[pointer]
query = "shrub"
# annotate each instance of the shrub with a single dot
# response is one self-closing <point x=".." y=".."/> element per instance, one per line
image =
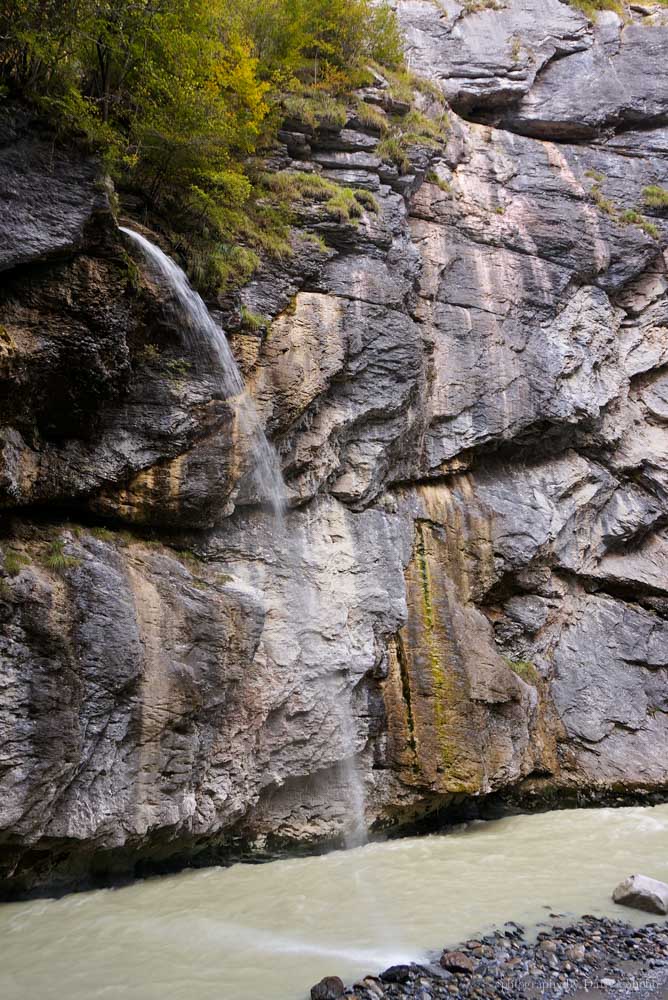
<point x="371" y="117"/>
<point x="316" y="109"/>
<point x="433" y="178"/>
<point x="634" y="218"/>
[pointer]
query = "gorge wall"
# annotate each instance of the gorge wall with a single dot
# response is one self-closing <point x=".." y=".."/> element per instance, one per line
<point x="468" y="390"/>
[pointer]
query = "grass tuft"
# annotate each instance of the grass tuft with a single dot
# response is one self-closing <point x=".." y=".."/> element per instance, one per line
<point x="55" y="558"/>
<point x="15" y="561"/>
<point x="655" y="196"/>
<point x="524" y="669"/>
<point x="104" y="534"/>
<point x="253" y="322"/>
<point x="592" y="8"/>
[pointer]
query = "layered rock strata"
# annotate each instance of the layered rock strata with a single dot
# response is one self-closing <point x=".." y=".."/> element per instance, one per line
<point x="467" y="388"/>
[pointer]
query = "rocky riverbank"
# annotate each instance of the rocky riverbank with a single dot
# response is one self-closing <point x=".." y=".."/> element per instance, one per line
<point x="594" y="957"/>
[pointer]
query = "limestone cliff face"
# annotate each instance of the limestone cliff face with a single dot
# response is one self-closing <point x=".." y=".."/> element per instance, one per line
<point x="469" y="394"/>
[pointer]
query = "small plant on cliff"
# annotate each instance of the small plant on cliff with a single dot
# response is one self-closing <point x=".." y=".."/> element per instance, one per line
<point x="178" y="368"/>
<point x="433" y="178"/>
<point x="253" y="322"/>
<point x="475" y="6"/>
<point x="414" y="129"/>
<point x="55" y="558"/>
<point x="655" y="196"/>
<point x="103" y="534"/>
<point x="315" y="109"/>
<point x="633" y="218"/>
<point x="524" y="669"/>
<point x="592" y="8"/>
<point x="14" y="562"/>
<point x="601" y="202"/>
<point x="371" y="117"/>
<point x="341" y="203"/>
<point x="148" y="354"/>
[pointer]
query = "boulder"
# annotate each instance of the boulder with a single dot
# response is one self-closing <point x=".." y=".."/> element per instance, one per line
<point x="329" y="988"/>
<point x="457" y="961"/>
<point x="396" y="974"/>
<point x="642" y="893"/>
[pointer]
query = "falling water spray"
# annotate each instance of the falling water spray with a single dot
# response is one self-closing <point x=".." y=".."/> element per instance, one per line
<point x="206" y="341"/>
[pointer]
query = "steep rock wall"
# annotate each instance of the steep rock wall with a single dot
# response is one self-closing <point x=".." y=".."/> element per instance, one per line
<point x="468" y="392"/>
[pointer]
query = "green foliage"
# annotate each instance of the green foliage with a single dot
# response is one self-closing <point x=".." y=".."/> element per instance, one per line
<point x="104" y="534"/>
<point x="415" y="128"/>
<point x="433" y="178"/>
<point x="341" y="203"/>
<point x="252" y="322"/>
<point x="601" y="202"/>
<point x="371" y="117"/>
<point x="55" y="558"/>
<point x="592" y="8"/>
<point x="628" y="217"/>
<point x="473" y="6"/>
<point x="634" y="218"/>
<point x="148" y="354"/>
<point x="367" y="200"/>
<point x="524" y="669"/>
<point x="655" y="196"/>
<point x="316" y="109"/>
<point x="393" y="150"/>
<point x="15" y="561"/>
<point x="178" y="368"/>
<point x="178" y="95"/>
<point x="319" y="41"/>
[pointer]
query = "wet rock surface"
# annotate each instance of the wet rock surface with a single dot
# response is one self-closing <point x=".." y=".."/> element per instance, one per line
<point x="595" y="957"/>
<point x="466" y="386"/>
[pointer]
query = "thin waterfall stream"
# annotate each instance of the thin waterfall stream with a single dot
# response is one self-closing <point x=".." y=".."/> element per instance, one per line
<point x="208" y="343"/>
<point x="205" y="339"/>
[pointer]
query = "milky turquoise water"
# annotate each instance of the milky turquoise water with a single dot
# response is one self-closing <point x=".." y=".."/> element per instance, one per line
<point x="268" y="932"/>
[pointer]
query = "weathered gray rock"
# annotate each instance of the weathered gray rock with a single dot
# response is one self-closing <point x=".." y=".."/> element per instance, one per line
<point x="602" y="87"/>
<point x="467" y="390"/>
<point x="48" y="196"/>
<point x="642" y="893"/>
<point x="488" y="55"/>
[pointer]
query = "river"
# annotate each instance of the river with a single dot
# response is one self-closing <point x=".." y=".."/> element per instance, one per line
<point x="268" y="932"/>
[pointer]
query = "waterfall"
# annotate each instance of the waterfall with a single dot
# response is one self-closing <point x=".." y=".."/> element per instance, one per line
<point x="208" y="343"/>
<point x="356" y="832"/>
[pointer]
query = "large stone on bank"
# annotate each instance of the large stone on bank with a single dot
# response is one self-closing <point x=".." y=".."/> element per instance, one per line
<point x="642" y="893"/>
<point x="329" y="988"/>
<point x="457" y="961"/>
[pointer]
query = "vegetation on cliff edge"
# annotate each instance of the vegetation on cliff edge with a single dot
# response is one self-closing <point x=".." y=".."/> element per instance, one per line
<point x="179" y="96"/>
